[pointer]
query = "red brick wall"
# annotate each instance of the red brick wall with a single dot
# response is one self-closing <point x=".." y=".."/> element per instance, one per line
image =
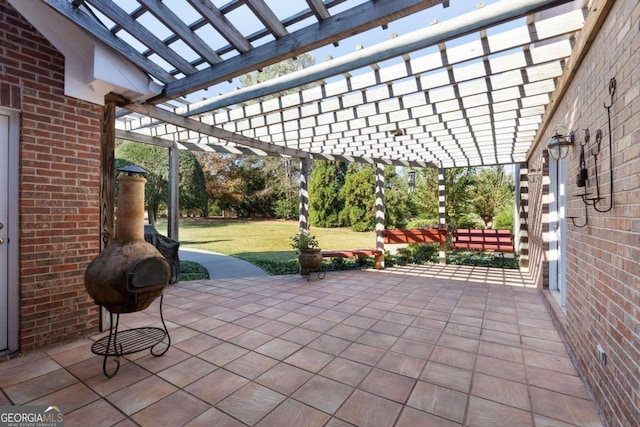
<point x="603" y="259"/>
<point x="59" y="186"/>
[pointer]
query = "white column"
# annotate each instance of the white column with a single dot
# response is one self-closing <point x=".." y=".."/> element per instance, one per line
<point x="380" y="185"/>
<point x="174" y="204"/>
<point x="303" y="221"/>
<point x="442" y="211"/>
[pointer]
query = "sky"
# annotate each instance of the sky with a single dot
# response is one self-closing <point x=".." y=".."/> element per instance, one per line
<point x="242" y="19"/>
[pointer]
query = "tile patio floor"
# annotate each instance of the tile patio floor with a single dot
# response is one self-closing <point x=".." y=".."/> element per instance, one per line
<point x="425" y="346"/>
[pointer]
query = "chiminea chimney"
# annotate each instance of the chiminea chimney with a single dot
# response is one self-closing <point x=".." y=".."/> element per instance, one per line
<point x="130" y="273"/>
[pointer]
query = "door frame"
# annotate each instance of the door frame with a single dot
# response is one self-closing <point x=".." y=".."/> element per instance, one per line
<point x="558" y="229"/>
<point x="12" y="227"/>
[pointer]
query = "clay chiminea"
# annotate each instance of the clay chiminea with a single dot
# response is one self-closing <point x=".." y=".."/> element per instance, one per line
<point x="130" y="273"/>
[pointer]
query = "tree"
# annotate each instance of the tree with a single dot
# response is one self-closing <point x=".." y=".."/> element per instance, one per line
<point x="360" y="197"/>
<point x="493" y="192"/>
<point x="155" y="160"/>
<point x="326" y="201"/>
<point x="282" y="68"/>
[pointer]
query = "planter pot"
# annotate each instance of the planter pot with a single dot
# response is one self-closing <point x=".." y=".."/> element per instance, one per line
<point x="310" y="260"/>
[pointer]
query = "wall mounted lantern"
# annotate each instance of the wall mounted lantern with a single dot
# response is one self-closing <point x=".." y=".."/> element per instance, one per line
<point x="560" y="142"/>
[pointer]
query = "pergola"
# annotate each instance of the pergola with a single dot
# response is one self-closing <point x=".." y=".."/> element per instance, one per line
<point x="470" y="91"/>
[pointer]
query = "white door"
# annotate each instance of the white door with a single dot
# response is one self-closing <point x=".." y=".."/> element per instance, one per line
<point x="557" y="229"/>
<point x="8" y="231"/>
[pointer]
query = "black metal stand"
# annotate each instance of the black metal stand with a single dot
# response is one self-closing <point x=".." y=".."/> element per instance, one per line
<point x="321" y="273"/>
<point x="120" y="343"/>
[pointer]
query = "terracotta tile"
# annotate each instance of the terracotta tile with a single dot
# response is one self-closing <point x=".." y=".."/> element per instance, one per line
<point x="324" y="303"/>
<point x="251" y="339"/>
<point x="39" y="386"/>
<point x="129" y="373"/>
<point x="273" y="328"/>
<point x="251" y="321"/>
<point x="216" y="386"/>
<point x="501" y="317"/>
<point x="413" y="348"/>
<point x="27" y="368"/>
<point x="271" y="313"/>
<point x="359" y="321"/>
<point x="284" y="378"/>
<point x="388" y="385"/>
<point x="402" y="364"/>
<point x="157" y="364"/>
<point x="501" y="351"/>
<point x="294" y="318"/>
<point x="309" y="359"/>
<point x="278" y="348"/>
<point x="500" y="390"/>
<point x="289" y="305"/>
<point x="485" y="413"/>
<point x="413" y="418"/>
<point x="501" y="368"/>
<point x="509" y="328"/>
<point x="405" y="309"/>
<point x="223" y="353"/>
<point x="300" y="335"/>
<point x="206" y="324"/>
<point x="544" y="334"/>
<point x="69" y="354"/>
<point x="460" y="343"/>
<point x="335" y="422"/>
<point x="550" y="362"/>
<point x="440" y="401"/>
<point x="363" y="353"/>
<point x="318" y="325"/>
<point x="365" y="409"/>
<point x="251" y="365"/>
<point x="403" y="319"/>
<point x="461" y="320"/>
<point x="146" y="392"/>
<point x="346" y="332"/>
<point x="101" y="413"/>
<point x="562" y="383"/>
<point x="452" y="357"/>
<point x="389" y="328"/>
<point x="323" y="394"/>
<point x="542" y="421"/>
<point x="175" y="409"/>
<point x="347" y="308"/>
<point x="544" y="346"/>
<point x="250" y="308"/>
<point x="87" y="368"/>
<point x="186" y="372"/>
<point x="423" y="335"/>
<point x="435" y="315"/>
<point x="291" y="413"/>
<point x="447" y="376"/>
<point x="230" y="315"/>
<point x="251" y="403"/>
<point x="333" y="315"/>
<point x="69" y="398"/>
<point x="377" y="339"/>
<point x="214" y="417"/>
<point x="329" y="344"/>
<point x="563" y="407"/>
<point x="371" y="312"/>
<point x="346" y="371"/>
<point x="310" y="310"/>
<point x="228" y="331"/>
<point x="429" y="324"/>
<point x="197" y="344"/>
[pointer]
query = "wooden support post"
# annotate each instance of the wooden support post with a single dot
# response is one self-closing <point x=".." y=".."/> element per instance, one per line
<point x="107" y="185"/>
<point x="174" y="193"/>
<point x="442" y="211"/>
<point x="303" y="219"/>
<point x="380" y="184"/>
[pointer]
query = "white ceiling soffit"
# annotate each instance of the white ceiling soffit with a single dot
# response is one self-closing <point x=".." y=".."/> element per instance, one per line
<point x="470" y="103"/>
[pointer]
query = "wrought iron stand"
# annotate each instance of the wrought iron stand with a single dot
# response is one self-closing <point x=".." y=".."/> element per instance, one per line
<point x="120" y="343"/>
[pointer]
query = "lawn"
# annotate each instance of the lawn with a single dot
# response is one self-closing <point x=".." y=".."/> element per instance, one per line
<point x="254" y="240"/>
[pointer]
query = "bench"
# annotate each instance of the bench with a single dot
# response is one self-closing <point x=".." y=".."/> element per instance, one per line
<point x="484" y="240"/>
<point x="359" y="253"/>
<point x="416" y="235"/>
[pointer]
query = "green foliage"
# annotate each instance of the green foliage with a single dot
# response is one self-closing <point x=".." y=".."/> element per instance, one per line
<point x="423" y="223"/>
<point x="360" y="198"/>
<point x="493" y="192"/>
<point x="414" y="254"/>
<point x="397" y="201"/>
<point x="481" y="259"/>
<point x="303" y="241"/>
<point x="287" y="208"/>
<point x="325" y="199"/>
<point x="192" y="271"/>
<point x="504" y="220"/>
<point x="280" y="69"/>
<point x="192" y="186"/>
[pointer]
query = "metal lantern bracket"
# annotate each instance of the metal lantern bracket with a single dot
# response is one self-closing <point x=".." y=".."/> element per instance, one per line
<point x="595" y="152"/>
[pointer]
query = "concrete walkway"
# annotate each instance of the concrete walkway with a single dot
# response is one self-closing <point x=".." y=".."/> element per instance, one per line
<point x="221" y="266"/>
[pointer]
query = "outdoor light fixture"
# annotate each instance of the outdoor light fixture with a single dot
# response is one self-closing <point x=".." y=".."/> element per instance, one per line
<point x="560" y="142"/>
<point x="411" y="181"/>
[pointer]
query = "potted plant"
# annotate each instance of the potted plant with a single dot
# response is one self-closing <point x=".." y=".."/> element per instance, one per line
<point x="309" y="256"/>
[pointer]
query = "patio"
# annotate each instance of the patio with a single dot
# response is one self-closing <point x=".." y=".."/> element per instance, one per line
<point x="412" y="346"/>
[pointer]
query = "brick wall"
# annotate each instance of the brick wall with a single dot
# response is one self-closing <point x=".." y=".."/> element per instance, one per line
<point x="603" y="258"/>
<point x="59" y="186"/>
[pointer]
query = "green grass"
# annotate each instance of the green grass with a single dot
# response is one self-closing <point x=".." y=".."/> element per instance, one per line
<point x="260" y="241"/>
